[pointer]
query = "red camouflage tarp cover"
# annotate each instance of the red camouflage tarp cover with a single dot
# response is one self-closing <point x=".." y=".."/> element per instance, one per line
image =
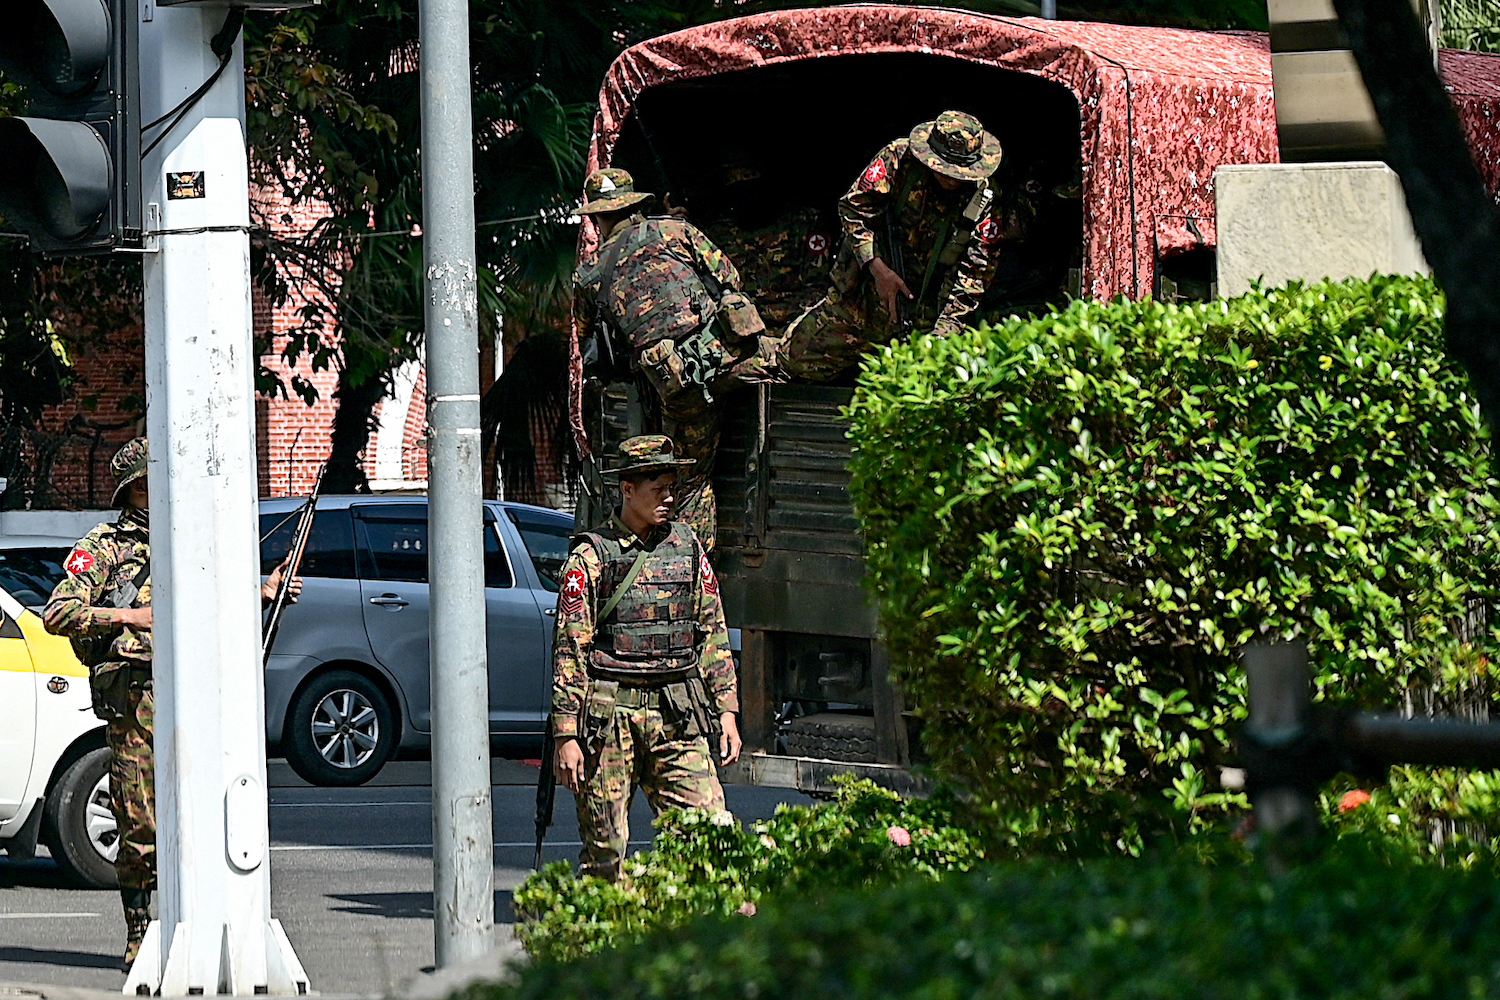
<point x="1162" y="108"/>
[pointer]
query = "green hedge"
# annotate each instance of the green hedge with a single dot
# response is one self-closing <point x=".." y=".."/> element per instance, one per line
<point x="704" y="865"/>
<point x="1349" y="926"/>
<point x="1096" y="508"/>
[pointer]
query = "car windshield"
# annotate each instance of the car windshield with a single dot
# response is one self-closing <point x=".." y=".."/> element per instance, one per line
<point x="546" y="537"/>
<point x="29" y="574"/>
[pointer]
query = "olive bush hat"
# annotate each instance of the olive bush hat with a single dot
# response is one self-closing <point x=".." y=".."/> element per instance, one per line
<point x="646" y="453"/>
<point x="610" y="190"/>
<point x="955" y="144"/>
<point x="128" y="465"/>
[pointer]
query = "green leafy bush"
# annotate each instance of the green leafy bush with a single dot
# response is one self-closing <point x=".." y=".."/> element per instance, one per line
<point x="1097" y="508"/>
<point x="706" y="865"/>
<point x="1348" y="926"/>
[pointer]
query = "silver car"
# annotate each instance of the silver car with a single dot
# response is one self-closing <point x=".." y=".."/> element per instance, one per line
<point x="347" y="683"/>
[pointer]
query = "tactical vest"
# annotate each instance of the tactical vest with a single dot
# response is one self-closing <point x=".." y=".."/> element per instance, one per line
<point x="647" y="294"/>
<point x="653" y="629"/>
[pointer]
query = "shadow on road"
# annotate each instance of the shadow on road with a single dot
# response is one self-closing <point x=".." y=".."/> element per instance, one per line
<point x="409" y="905"/>
<point x="39" y="874"/>
<point x="62" y="959"/>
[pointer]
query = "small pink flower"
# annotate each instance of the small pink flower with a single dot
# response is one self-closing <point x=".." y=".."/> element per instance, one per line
<point x="747" y="909"/>
<point x="1353" y="800"/>
<point x="900" y="836"/>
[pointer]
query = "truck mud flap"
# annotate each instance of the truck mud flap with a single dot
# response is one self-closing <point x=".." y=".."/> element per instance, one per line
<point x="816" y="777"/>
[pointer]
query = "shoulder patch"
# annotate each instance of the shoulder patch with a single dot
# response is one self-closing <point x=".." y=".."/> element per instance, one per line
<point x="78" y="561"/>
<point x="570" y="597"/>
<point x="873" y="175"/>
<point x="988" y="232"/>
<point x="706" y="571"/>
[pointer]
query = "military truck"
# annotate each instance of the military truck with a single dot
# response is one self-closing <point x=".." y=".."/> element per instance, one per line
<point x="1111" y="136"/>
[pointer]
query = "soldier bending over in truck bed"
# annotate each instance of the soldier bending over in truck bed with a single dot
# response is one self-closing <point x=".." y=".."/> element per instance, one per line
<point x="921" y="230"/>
<point x="662" y="290"/>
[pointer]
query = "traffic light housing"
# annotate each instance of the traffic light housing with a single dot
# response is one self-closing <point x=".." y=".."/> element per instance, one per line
<point x="70" y="167"/>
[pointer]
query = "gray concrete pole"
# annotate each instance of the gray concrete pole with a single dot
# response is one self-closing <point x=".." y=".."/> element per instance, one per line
<point x="463" y="874"/>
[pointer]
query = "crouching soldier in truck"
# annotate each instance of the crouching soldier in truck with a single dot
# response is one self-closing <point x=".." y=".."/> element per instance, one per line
<point x="921" y="231"/>
<point x="671" y="300"/>
<point x="644" y="689"/>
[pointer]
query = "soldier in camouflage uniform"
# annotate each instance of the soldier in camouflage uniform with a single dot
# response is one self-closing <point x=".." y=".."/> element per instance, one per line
<point x="921" y="230"/>
<point x="672" y="297"/>
<point x="643" y="681"/>
<point x="104" y="607"/>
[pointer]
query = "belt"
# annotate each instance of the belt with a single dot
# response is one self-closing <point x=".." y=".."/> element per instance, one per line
<point x="642" y="678"/>
<point x="638" y="697"/>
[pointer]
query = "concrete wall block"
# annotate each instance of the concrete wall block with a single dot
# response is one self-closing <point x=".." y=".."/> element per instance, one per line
<point x="1310" y="221"/>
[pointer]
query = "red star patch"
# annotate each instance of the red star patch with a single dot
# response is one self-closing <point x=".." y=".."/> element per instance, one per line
<point x="570" y="600"/>
<point x="78" y="561"/>
<point x="873" y="175"/>
<point x="710" y="582"/>
<point x="988" y="232"/>
<point x="817" y="243"/>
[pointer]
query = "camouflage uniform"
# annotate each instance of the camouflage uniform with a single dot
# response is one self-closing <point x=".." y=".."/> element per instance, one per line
<point x="659" y="282"/>
<point x="643" y="689"/>
<point x="947" y="242"/>
<point x="103" y="568"/>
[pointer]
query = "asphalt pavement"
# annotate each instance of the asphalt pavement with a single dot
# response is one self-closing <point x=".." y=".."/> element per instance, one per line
<point x="351" y="881"/>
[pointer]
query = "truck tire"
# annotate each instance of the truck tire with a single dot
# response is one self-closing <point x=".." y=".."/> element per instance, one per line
<point x="340" y="730"/>
<point x="79" y="826"/>
<point x="832" y="736"/>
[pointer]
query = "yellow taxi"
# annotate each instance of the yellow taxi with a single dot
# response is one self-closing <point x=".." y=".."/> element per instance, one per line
<point x="54" y="765"/>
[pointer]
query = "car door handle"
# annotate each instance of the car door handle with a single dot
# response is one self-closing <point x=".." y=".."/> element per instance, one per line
<point x="550" y="612"/>
<point x="389" y="601"/>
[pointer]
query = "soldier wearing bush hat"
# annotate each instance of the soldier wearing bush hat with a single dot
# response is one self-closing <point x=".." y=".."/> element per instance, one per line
<point x="662" y="300"/>
<point x="103" y="606"/>
<point x="644" y="686"/>
<point x="921" y="235"/>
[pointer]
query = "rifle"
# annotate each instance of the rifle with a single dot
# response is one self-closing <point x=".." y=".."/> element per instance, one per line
<point x="293" y="563"/>
<point x="546" y="794"/>
<point x="895" y="258"/>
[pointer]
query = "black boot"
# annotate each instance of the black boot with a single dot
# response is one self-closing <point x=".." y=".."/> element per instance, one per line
<point x="137" y="919"/>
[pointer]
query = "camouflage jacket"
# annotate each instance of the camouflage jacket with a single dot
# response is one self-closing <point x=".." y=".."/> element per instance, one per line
<point x="104" y="561"/>
<point x="578" y="602"/>
<point x="661" y="283"/>
<point x="928" y="221"/>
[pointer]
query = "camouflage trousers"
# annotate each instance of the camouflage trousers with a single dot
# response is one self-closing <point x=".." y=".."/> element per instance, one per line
<point x="693" y="420"/>
<point x="132" y="789"/>
<point x="829" y="337"/>
<point x="639" y="751"/>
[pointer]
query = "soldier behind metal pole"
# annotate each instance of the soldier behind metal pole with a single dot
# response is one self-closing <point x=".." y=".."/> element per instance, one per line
<point x="103" y="607"/>
<point x="925" y="204"/>
<point x="661" y="295"/>
<point x="644" y="684"/>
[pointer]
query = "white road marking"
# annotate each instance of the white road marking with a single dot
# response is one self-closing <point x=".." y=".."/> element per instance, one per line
<point x="42" y="916"/>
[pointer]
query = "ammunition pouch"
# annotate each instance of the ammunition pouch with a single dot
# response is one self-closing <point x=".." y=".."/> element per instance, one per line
<point x="738" y="319"/>
<point x="110" y="685"/>
<point x="687" y="365"/>
<point x="598" y="715"/>
<point x="684" y="704"/>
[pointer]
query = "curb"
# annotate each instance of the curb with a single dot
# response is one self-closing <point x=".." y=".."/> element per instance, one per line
<point x="498" y="967"/>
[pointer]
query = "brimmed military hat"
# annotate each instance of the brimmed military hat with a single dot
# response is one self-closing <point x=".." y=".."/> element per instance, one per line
<point x="645" y="453"/>
<point x="128" y="465"/>
<point x="610" y="190"/>
<point x="955" y="144"/>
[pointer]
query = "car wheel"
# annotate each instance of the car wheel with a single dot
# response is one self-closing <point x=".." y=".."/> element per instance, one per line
<point x="340" y="730"/>
<point x="81" y="828"/>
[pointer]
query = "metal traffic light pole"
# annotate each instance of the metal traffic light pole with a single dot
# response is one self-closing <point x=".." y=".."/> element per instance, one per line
<point x="463" y="875"/>
<point x="215" y="933"/>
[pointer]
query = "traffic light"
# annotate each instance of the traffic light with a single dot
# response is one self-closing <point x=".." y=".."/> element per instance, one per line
<point x="70" y="167"/>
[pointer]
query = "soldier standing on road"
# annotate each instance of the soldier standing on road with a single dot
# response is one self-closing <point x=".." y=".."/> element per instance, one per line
<point x="643" y="680"/>
<point x="921" y="230"/>
<point x="104" y="608"/>
<point x="672" y="300"/>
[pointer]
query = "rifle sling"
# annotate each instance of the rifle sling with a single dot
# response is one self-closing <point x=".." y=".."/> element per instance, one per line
<point x="614" y="599"/>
